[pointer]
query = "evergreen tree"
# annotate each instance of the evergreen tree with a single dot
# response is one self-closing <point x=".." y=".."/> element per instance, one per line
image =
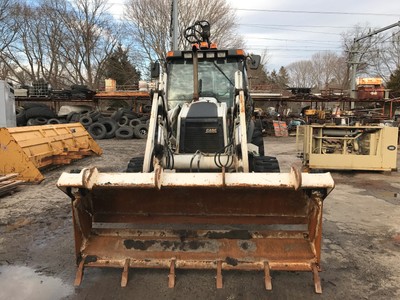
<point x="279" y="79"/>
<point x="119" y="67"/>
<point x="394" y="82"/>
<point x="283" y="78"/>
<point x="273" y="78"/>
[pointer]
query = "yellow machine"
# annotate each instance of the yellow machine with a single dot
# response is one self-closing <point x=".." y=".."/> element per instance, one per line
<point x="204" y="196"/>
<point x="334" y="147"/>
<point x="25" y="150"/>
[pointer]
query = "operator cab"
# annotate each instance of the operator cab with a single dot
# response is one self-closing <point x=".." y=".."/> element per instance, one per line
<point x="216" y="75"/>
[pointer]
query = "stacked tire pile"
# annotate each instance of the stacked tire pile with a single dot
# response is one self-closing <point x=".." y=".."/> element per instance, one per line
<point x="36" y="114"/>
<point x="121" y="124"/>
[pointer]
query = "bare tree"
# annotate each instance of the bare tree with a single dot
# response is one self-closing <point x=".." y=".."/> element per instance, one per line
<point x="364" y="53"/>
<point x="61" y="42"/>
<point x="8" y="24"/>
<point x="149" y="22"/>
<point x="341" y="72"/>
<point x="301" y="74"/>
<point x="377" y="55"/>
<point x="91" y="37"/>
<point x="34" y="54"/>
<point x="8" y="30"/>
<point x="328" y="68"/>
<point x="387" y="55"/>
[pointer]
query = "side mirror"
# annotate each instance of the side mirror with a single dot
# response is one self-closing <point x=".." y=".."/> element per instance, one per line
<point x="155" y="70"/>
<point x="255" y="61"/>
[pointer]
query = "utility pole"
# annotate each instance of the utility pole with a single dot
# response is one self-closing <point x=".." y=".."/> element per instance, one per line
<point x="355" y="58"/>
<point x="354" y="61"/>
<point x="174" y="24"/>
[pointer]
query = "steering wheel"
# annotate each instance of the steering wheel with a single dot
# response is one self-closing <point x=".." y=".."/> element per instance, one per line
<point x="199" y="32"/>
<point x="193" y="34"/>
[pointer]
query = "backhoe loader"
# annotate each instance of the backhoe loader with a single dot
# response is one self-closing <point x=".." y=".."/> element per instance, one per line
<point x="204" y="196"/>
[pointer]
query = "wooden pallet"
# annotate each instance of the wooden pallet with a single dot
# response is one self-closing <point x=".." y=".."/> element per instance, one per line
<point x="8" y="184"/>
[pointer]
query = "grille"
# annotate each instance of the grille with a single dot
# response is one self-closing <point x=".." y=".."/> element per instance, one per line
<point x="202" y="134"/>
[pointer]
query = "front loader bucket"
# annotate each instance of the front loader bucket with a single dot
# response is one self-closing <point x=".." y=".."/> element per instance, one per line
<point x="233" y="221"/>
<point x="25" y="150"/>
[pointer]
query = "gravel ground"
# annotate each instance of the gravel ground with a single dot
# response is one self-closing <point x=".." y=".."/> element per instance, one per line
<point x="360" y="256"/>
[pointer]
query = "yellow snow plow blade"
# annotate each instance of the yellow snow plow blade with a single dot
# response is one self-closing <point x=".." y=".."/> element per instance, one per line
<point x="25" y="150"/>
<point x="220" y="221"/>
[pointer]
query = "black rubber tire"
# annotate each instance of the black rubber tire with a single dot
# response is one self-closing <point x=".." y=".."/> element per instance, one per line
<point x="111" y="127"/>
<point x="146" y="109"/>
<point x="31" y="122"/>
<point x="141" y="131"/>
<point x="143" y="119"/>
<point x="116" y="115"/>
<point x="131" y="115"/>
<point x="86" y="121"/>
<point x="29" y="105"/>
<point x="124" y="133"/>
<point x="19" y="110"/>
<point x="259" y="142"/>
<point x="123" y="121"/>
<point x="84" y="112"/>
<point x="41" y="121"/>
<point x="53" y="121"/>
<point x="257" y="138"/>
<point x="94" y="115"/>
<point x="79" y="87"/>
<point x="75" y="118"/>
<point x="264" y="164"/>
<point x="135" y="165"/>
<point x="134" y="122"/>
<point x="39" y="111"/>
<point x="72" y="117"/>
<point x="21" y="116"/>
<point x="97" y="130"/>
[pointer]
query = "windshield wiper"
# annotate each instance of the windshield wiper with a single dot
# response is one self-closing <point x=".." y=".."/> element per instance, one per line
<point x="222" y="72"/>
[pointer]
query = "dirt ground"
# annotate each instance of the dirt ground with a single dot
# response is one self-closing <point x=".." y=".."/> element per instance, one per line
<point x="360" y="256"/>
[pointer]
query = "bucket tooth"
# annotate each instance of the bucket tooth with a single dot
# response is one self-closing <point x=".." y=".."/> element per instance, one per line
<point x="125" y="273"/>
<point x="267" y="277"/>
<point x="79" y="273"/>
<point x="219" y="274"/>
<point x="317" y="279"/>
<point x="171" y="276"/>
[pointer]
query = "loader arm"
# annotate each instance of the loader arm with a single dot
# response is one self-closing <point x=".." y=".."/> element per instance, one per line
<point x="151" y="140"/>
<point x="242" y="119"/>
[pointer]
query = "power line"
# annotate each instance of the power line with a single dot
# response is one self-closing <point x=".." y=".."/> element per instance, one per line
<point x="290" y="40"/>
<point x="292" y="25"/>
<point x="316" y="12"/>
<point x="292" y="49"/>
<point x="299" y="30"/>
<point x="278" y="47"/>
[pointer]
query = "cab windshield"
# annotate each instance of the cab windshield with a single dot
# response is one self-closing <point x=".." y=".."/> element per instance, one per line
<point x="216" y="79"/>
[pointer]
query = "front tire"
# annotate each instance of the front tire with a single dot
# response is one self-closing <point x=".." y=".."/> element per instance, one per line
<point x="264" y="164"/>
